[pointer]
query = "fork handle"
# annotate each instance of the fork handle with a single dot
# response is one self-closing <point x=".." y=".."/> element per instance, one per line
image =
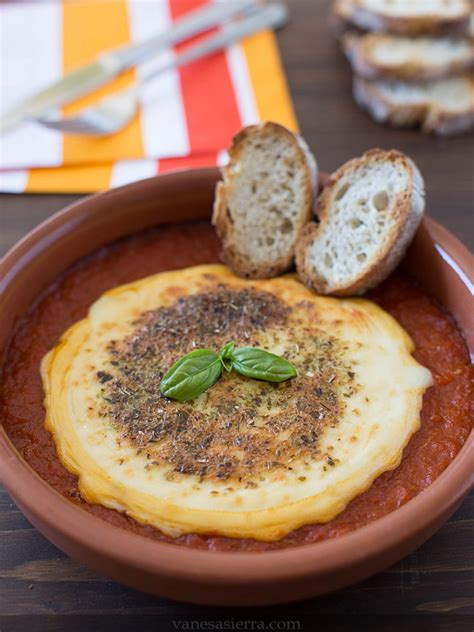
<point x="269" y="16"/>
<point x="184" y="28"/>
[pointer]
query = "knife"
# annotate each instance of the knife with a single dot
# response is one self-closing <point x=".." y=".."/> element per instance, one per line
<point x="110" y="64"/>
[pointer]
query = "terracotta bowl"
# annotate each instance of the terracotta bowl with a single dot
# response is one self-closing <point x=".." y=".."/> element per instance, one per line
<point x="440" y="262"/>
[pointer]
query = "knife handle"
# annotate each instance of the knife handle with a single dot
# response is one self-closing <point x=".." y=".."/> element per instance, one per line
<point x="191" y="24"/>
<point x="271" y="16"/>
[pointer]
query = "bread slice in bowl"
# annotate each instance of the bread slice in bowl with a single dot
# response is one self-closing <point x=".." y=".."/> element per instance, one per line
<point x="368" y="214"/>
<point x="404" y="17"/>
<point x="444" y="106"/>
<point x="265" y="199"/>
<point x="392" y="57"/>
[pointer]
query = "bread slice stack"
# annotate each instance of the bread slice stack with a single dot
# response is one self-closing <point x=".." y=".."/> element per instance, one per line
<point x="413" y="60"/>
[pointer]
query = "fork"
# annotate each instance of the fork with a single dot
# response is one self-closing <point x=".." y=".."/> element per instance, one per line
<point x="111" y="114"/>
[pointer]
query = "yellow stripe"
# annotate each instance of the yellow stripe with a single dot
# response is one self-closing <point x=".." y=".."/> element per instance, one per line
<point x="268" y="80"/>
<point x="74" y="179"/>
<point x="88" y="29"/>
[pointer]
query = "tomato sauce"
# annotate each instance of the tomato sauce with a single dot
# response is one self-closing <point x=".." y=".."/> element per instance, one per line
<point x="447" y="406"/>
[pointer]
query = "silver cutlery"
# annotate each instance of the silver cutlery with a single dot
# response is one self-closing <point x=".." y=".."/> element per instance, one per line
<point x="112" y="63"/>
<point x="112" y="113"/>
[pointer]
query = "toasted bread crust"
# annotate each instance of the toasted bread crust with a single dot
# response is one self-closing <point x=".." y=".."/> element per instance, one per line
<point x="433" y="119"/>
<point x="230" y="254"/>
<point x="350" y="12"/>
<point x="358" y="51"/>
<point x="409" y="207"/>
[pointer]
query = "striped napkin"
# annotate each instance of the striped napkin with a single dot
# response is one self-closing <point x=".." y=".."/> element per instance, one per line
<point x="187" y="116"/>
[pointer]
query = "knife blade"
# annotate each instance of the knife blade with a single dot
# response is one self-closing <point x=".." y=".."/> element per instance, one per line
<point x="110" y="64"/>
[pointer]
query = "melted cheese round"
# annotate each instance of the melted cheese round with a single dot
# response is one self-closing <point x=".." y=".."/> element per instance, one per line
<point x="247" y="458"/>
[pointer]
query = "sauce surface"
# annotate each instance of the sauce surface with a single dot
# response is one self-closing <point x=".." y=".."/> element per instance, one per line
<point x="445" y="417"/>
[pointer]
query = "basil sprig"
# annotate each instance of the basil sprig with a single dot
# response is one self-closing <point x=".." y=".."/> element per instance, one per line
<point x="199" y="370"/>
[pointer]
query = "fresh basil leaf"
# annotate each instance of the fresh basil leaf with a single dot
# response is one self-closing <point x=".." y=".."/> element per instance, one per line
<point x="261" y="365"/>
<point x="225" y="355"/>
<point x="191" y="375"/>
<point x="226" y="351"/>
<point x="226" y="363"/>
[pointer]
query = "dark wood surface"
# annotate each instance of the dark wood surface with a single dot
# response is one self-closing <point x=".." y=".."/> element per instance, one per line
<point x="432" y="589"/>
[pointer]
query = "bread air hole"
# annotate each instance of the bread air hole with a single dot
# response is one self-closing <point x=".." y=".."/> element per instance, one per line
<point x="254" y="187"/>
<point x="380" y="200"/>
<point x="361" y="257"/>
<point x="270" y="241"/>
<point x="355" y="223"/>
<point x="328" y="260"/>
<point x="286" y="227"/>
<point x="340" y="193"/>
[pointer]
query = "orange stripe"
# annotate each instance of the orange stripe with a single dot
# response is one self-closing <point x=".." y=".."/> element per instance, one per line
<point x="75" y="179"/>
<point x="93" y="178"/>
<point x="268" y="79"/>
<point x="208" y="95"/>
<point x="88" y="29"/>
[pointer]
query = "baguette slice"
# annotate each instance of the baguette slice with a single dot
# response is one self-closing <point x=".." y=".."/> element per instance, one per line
<point x="404" y="17"/>
<point x="368" y="215"/>
<point x="265" y="200"/>
<point x="392" y="57"/>
<point x="444" y="107"/>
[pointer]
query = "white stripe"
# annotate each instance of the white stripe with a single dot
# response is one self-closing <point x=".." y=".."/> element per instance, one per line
<point x="13" y="181"/>
<point x="163" y="117"/>
<point x="222" y="158"/>
<point x="30" y="58"/>
<point x="243" y="88"/>
<point x="242" y="84"/>
<point x="126" y="171"/>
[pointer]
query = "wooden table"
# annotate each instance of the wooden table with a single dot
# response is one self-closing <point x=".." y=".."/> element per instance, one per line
<point x="432" y="589"/>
